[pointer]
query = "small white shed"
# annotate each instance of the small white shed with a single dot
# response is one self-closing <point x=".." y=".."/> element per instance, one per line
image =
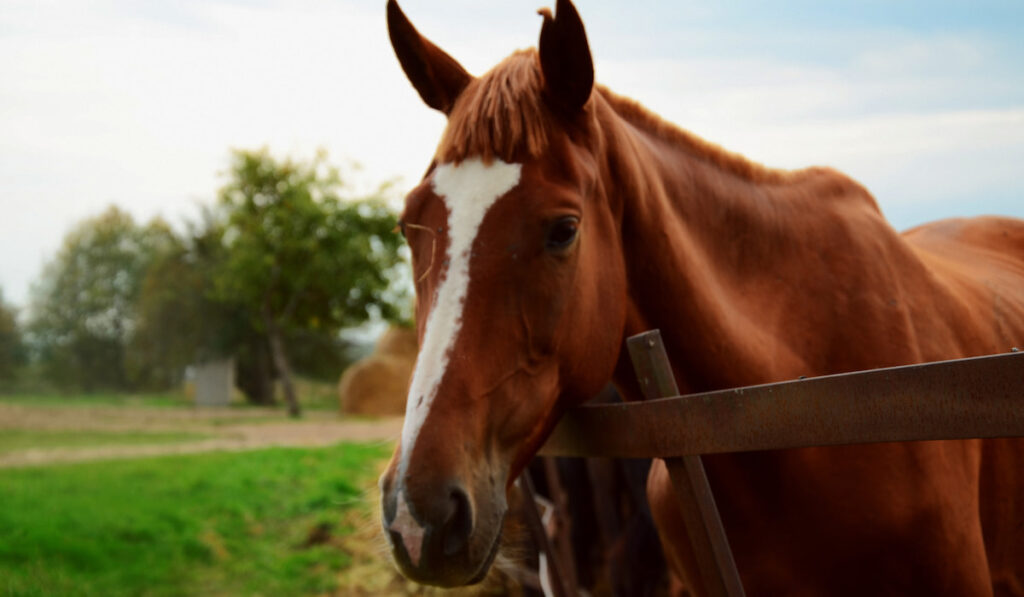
<point x="214" y="381"/>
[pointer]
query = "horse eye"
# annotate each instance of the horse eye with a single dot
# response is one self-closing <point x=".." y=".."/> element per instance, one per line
<point x="562" y="233"/>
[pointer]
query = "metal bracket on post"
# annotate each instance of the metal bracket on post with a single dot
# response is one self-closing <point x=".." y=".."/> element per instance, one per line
<point x="700" y="515"/>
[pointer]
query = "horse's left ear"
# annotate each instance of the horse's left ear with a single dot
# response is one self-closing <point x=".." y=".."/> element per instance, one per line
<point x="437" y="77"/>
<point x="565" y="58"/>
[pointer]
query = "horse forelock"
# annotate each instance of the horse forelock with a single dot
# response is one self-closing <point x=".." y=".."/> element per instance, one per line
<point x="500" y="115"/>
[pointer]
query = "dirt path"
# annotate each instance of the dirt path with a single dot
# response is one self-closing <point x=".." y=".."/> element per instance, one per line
<point x="227" y="430"/>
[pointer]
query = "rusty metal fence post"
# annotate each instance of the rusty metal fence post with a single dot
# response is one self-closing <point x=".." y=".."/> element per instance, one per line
<point x="700" y="515"/>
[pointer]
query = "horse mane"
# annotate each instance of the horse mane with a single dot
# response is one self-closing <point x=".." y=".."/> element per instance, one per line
<point x="502" y="115"/>
<point x="644" y="119"/>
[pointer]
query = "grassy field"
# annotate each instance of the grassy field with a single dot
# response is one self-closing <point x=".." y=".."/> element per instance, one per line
<point x="265" y="522"/>
<point x="147" y="495"/>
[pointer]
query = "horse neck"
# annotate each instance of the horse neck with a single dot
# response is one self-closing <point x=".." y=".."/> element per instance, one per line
<point x="745" y="270"/>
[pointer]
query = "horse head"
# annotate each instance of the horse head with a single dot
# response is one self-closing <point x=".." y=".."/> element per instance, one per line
<point x="520" y="289"/>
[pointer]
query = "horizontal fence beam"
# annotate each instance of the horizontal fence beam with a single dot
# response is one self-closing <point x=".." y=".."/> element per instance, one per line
<point x="980" y="397"/>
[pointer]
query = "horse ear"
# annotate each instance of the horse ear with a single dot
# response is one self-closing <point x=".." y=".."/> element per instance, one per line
<point x="565" y="58"/>
<point x="437" y="77"/>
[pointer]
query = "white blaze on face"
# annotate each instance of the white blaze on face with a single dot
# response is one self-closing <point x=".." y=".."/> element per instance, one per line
<point x="468" y="191"/>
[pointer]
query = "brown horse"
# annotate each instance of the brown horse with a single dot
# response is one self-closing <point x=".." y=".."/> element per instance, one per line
<point x="558" y="218"/>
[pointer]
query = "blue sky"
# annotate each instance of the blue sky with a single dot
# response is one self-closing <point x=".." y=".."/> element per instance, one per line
<point x="138" y="103"/>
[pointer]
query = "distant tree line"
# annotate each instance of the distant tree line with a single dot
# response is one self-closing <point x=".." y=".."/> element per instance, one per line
<point x="268" y="275"/>
<point x="13" y="355"/>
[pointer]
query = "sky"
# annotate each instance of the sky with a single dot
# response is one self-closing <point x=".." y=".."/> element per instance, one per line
<point x="139" y="103"/>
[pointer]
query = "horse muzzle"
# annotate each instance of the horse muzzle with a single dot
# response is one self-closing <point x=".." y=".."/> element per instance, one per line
<point x="445" y="537"/>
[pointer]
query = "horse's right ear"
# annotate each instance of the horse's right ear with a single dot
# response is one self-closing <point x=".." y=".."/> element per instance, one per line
<point x="437" y="77"/>
<point x="565" y="58"/>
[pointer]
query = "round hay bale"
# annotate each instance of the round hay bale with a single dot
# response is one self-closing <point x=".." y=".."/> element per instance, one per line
<point x="377" y="384"/>
<point x="397" y="341"/>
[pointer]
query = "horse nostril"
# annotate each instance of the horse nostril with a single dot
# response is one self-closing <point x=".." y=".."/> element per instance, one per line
<point x="459" y="524"/>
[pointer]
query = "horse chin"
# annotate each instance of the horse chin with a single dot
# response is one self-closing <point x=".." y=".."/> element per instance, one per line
<point x="481" y="574"/>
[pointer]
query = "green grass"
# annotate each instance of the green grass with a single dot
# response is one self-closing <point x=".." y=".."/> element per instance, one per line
<point x="12" y="440"/>
<point x="210" y="524"/>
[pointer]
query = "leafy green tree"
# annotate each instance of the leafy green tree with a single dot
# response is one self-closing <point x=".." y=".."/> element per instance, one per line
<point x="299" y="258"/>
<point x="12" y="348"/>
<point x="178" y="321"/>
<point x="83" y="309"/>
<point x="169" y="301"/>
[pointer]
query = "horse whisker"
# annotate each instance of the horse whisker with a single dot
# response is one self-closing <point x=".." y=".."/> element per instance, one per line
<point x="433" y="248"/>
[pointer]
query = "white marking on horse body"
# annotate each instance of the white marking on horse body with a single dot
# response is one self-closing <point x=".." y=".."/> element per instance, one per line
<point x="544" y="573"/>
<point x="468" y="191"/>
<point x="411" y="532"/>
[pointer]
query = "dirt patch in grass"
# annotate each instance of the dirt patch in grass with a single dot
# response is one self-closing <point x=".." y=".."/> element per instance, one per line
<point x="229" y="430"/>
<point x="15" y="440"/>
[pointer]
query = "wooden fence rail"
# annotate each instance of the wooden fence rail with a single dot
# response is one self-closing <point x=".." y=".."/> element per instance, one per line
<point x="979" y="397"/>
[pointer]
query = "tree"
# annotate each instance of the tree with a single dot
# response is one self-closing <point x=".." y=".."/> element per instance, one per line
<point x="82" y="312"/>
<point x="179" y="323"/>
<point x="12" y="348"/>
<point x="298" y="258"/>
